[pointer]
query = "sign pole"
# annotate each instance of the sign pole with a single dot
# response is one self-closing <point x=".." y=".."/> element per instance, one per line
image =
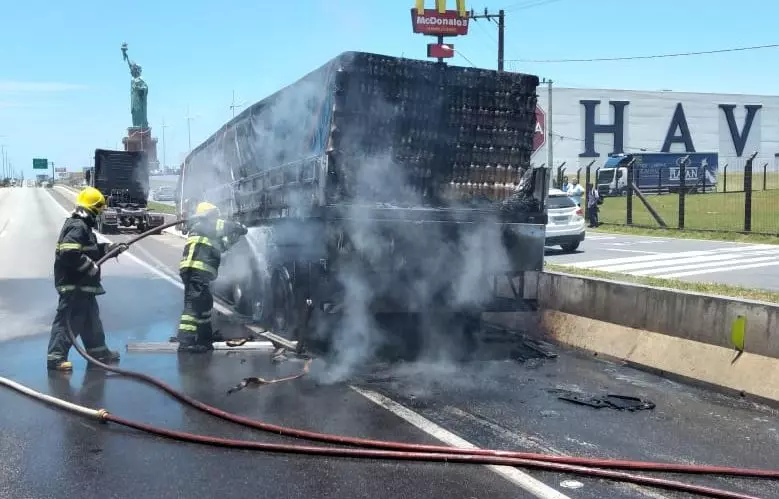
<point x="548" y="124"/>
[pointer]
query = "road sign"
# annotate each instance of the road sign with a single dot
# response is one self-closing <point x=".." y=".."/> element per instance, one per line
<point x="539" y="136"/>
<point x="40" y="164"/>
<point x="61" y="170"/>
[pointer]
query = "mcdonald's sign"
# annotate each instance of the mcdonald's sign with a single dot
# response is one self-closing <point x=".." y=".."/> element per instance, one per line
<point x="439" y="21"/>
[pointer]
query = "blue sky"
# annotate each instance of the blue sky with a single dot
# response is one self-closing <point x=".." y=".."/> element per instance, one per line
<point x="64" y="88"/>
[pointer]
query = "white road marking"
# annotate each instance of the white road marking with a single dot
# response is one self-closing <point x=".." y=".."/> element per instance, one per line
<point x="683" y="254"/>
<point x="523" y="480"/>
<point x="719" y="269"/>
<point x="705" y="266"/>
<point x="634" y="251"/>
<point x="713" y="258"/>
<point x="670" y="265"/>
<point x="178" y="284"/>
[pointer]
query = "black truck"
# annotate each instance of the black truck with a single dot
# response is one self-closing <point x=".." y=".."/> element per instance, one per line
<point x="123" y="178"/>
<point x="378" y="187"/>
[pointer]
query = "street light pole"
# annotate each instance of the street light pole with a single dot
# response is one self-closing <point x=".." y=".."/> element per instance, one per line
<point x="164" y="160"/>
<point x="189" y="132"/>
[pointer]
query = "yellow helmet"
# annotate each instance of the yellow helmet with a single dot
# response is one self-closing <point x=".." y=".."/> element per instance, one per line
<point x="91" y="200"/>
<point x="206" y="208"/>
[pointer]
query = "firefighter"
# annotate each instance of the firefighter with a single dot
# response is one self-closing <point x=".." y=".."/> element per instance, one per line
<point x="77" y="280"/>
<point x="209" y="237"/>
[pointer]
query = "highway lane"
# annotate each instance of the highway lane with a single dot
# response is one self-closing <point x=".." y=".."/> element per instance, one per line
<point x="499" y="402"/>
<point x="79" y="457"/>
<point x="738" y="264"/>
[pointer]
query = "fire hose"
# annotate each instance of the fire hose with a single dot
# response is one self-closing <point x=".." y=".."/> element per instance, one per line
<point x="388" y="449"/>
<point x="104" y="416"/>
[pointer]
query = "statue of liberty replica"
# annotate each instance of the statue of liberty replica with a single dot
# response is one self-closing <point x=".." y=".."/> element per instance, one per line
<point x="139" y="134"/>
<point x="139" y="92"/>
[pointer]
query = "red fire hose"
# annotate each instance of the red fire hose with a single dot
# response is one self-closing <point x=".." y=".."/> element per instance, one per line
<point x="104" y="416"/>
<point x="419" y="451"/>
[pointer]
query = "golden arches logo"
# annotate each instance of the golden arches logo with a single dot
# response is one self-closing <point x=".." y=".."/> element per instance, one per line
<point x="440" y="6"/>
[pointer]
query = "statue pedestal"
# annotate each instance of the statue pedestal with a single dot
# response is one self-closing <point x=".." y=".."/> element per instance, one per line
<point x="140" y="139"/>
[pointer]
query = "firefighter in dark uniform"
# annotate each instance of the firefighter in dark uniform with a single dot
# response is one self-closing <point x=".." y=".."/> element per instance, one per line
<point x="209" y="237"/>
<point x="77" y="280"/>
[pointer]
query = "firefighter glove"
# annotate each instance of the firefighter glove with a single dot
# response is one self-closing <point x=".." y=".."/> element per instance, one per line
<point x="242" y="230"/>
<point x="120" y="247"/>
<point x="92" y="269"/>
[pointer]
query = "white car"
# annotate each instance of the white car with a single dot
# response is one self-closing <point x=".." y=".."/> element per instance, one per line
<point x="566" y="221"/>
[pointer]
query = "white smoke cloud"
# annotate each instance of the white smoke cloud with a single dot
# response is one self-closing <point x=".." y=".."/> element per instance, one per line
<point x="422" y="267"/>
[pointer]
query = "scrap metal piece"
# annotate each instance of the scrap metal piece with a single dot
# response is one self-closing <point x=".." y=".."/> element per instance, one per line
<point x="545" y="349"/>
<point x="624" y="402"/>
<point x="256" y="346"/>
<point x="613" y="401"/>
<point x="584" y="400"/>
<point x="257" y="381"/>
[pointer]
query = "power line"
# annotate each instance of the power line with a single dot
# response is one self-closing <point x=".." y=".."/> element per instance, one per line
<point x="527" y="5"/>
<point x="657" y="56"/>
<point x="463" y="56"/>
<point x="490" y="35"/>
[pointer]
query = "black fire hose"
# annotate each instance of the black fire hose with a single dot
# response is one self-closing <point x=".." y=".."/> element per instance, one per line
<point x="401" y="450"/>
<point x="137" y="238"/>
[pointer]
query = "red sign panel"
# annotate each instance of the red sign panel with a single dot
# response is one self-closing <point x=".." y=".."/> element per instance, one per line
<point x="440" y="50"/>
<point x="539" y="136"/>
<point x="432" y="22"/>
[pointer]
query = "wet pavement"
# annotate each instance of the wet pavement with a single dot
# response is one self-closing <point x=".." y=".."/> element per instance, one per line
<point x="499" y="402"/>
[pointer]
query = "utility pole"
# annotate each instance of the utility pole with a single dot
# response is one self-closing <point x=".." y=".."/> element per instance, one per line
<point x="233" y="106"/>
<point x="164" y="162"/>
<point x="189" y="134"/>
<point x="501" y="16"/>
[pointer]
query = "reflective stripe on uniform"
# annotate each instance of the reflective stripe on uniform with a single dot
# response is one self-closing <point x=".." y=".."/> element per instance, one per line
<point x="191" y="318"/>
<point x="188" y="328"/>
<point x="86" y="289"/>
<point x="199" y="240"/>
<point x="189" y="262"/>
<point x="198" y="265"/>
<point x="69" y="247"/>
<point x="220" y="227"/>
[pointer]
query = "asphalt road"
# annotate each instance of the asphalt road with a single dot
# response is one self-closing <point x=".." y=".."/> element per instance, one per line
<point x="501" y="401"/>
<point x="739" y="264"/>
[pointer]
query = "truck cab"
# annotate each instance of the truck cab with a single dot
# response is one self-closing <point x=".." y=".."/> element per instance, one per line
<point x="611" y="179"/>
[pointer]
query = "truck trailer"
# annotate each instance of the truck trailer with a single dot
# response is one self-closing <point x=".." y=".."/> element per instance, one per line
<point x="658" y="173"/>
<point x="378" y="187"/>
<point x="123" y="178"/>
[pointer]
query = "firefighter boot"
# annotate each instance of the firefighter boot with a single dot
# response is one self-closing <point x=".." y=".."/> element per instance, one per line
<point x="103" y="354"/>
<point x="59" y="365"/>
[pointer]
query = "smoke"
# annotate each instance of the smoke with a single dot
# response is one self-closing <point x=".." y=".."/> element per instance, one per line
<point x="388" y="262"/>
<point x="140" y="179"/>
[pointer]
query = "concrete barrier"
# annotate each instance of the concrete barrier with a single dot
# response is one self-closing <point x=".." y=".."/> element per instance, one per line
<point x="686" y="334"/>
<point x="693" y="316"/>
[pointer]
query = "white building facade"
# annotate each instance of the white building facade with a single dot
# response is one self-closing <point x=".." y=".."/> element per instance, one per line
<point x="589" y="124"/>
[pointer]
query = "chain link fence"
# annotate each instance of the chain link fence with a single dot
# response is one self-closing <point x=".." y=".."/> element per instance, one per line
<point x="744" y="197"/>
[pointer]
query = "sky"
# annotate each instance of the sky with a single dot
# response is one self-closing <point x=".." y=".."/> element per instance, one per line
<point x="65" y="90"/>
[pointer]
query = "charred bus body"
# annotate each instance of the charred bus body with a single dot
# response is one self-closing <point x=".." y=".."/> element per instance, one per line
<point x="377" y="186"/>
